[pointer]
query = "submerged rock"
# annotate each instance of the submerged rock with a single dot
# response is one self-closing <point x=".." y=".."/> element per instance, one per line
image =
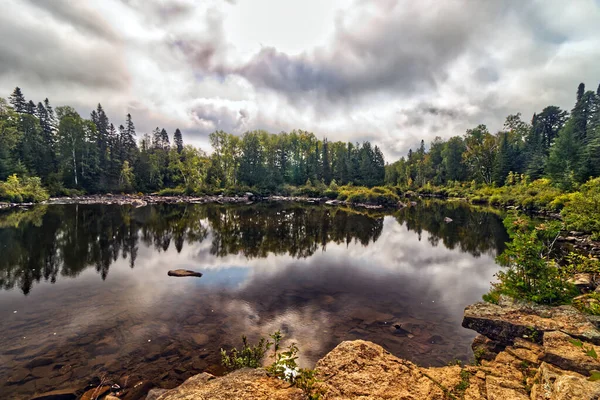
<point x="63" y="394"/>
<point x="184" y="272"/>
<point x="511" y="319"/>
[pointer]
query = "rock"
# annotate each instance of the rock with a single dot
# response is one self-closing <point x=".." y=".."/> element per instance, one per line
<point x="95" y="393"/>
<point x="510" y="320"/>
<point x="138" y="391"/>
<point x="200" y="338"/>
<point x="63" y="394"/>
<point x="498" y="388"/>
<point x="39" y="362"/>
<point x="184" y="272"/>
<point x="18" y="376"/>
<point x="583" y="281"/>
<point x="360" y="369"/>
<point x="247" y="384"/>
<point x="154" y="394"/>
<point x="567" y="353"/>
<point x="555" y="384"/>
<point x="485" y="348"/>
<point x="447" y="219"/>
<point x="111" y="397"/>
<point x="332" y="202"/>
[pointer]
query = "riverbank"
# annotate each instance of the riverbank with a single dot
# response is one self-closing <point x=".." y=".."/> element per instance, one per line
<point x="249" y="198"/>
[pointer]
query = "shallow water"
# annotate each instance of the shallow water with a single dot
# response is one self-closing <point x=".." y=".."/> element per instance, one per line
<point x="85" y="292"/>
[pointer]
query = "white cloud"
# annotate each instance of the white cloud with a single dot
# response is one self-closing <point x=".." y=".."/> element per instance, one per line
<point x="389" y="71"/>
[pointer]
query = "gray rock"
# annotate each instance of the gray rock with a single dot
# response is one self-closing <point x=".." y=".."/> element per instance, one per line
<point x="511" y="319"/>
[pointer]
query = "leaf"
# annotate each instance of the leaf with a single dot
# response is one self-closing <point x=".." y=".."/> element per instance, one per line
<point x="594" y="375"/>
<point x="576" y="342"/>
<point x="592" y="353"/>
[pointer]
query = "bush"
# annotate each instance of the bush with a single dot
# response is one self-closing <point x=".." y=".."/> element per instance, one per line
<point x="530" y="273"/>
<point x="178" y="191"/>
<point x="379" y="195"/>
<point x="27" y="189"/>
<point x="582" y="211"/>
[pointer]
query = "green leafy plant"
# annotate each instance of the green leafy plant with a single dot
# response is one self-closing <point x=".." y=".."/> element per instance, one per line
<point x="248" y="356"/>
<point x="531" y="273"/>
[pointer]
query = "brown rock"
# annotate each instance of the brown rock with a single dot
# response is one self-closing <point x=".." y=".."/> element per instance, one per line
<point x="63" y="394"/>
<point x="502" y="389"/>
<point x="154" y="394"/>
<point x="18" y="376"/>
<point x="39" y="362"/>
<point x="485" y="349"/>
<point x="567" y="353"/>
<point x="138" y="391"/>
<point x="583" y="281"/>
<point x="184" y="272"/>
<point x="360" y="369"/>
<point x="200" y="338"/>
<point x="247" y="384"/>
<point x="510" y="320"/>
<point x="555" y="384"/>
<point x="95" y="393"/>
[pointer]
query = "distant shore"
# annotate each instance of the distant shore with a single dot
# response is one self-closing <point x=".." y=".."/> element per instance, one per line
<point x="143" y="200"/>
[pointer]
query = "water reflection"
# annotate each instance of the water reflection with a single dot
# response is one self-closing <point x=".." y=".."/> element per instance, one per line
<point x="320" y="274"/>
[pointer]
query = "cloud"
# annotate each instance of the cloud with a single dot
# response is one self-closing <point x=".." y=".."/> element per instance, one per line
<point x="391" y="71"/>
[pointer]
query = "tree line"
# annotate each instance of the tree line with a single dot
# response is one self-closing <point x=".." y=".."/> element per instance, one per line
<point x="67" y="151"/>
<point x="556" y="144"/>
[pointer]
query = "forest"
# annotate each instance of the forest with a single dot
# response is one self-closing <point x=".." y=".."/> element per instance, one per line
<point x="65" y="153"/>
<point x="46" y="151"/>
<point x="556" y="144"/>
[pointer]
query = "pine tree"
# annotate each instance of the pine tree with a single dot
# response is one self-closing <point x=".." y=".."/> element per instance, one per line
<point x="325" y="163"/>
<point x="18" y="100"/>
<point x="178" y="140"/>
<point x="30" y="108"/>
<point x="164" y="140"/>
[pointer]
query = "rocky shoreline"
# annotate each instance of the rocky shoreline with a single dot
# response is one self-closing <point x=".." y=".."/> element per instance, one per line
<point x="524" y="352"/>
<point x="143" y="200"/>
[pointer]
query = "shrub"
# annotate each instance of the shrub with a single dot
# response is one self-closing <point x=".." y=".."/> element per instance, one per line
<point x="178" y="191"/>
<point x="582" y="211"/>
<point x="28" y="189"/>
<point x="530" y="273"/>
<point x="248" y="356"/>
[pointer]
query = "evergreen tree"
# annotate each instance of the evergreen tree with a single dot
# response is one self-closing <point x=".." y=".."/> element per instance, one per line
<point x="325" y="162"/>
<point x="164" y="140"/>
<point x="178" y="140"/>
<point x="18" y="101"/>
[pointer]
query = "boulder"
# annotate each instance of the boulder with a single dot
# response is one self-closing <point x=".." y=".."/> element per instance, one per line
<point x="570" y="354"/>
<point x="154" y="394"/>
<point x="247" y="384"/>
<point x="448" y="219"/>
<point x="510" y="319"/>
<point x="360" y="369"/>
<point x="555" y="384"/>
<point x="583" y="281"/>
<point x="184" y="272"/>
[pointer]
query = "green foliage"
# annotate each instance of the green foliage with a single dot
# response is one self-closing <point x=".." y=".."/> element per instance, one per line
<point x="23" y="190"/>
<point x="284" y="364"/>
<point x="464" y="383"/>
<point x="530" y="272"/>
<point x="248" y="356"/>
<point x="594" y="376"/>
<point x="381" y="195"/>
<point x="588" y="303"/>
<point x="176" y="191"/>
<point x="582" y="210"/>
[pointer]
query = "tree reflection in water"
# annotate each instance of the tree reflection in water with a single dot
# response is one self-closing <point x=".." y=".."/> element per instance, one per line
<point x="62" y="240"/>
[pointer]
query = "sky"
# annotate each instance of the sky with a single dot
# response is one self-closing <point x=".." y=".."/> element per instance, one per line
<point x="392" y="72"/>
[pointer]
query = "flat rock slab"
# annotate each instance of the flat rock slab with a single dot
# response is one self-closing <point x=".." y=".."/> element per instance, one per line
<point x="570" y="354"/>
<point x="184" y="272"/>
<point x="510" y="320"/>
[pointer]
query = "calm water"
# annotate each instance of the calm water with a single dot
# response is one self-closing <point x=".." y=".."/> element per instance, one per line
<point x="84" y="290"/>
